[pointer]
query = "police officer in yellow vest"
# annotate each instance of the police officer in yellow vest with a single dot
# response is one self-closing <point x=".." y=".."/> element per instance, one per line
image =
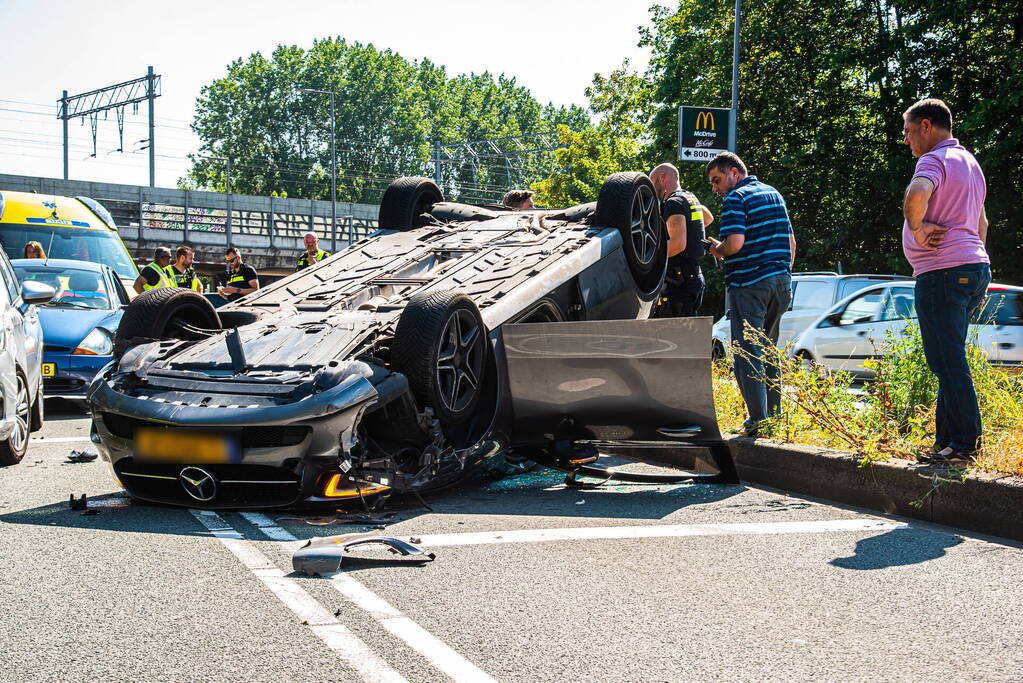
<point x="154" y="275"/>
<point x="242" y="278"/>
<point x="181" y="273"/>
<point x="313" y="253"/>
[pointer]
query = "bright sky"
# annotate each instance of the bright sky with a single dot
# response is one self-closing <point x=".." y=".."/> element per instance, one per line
<point x="553" y="47"/>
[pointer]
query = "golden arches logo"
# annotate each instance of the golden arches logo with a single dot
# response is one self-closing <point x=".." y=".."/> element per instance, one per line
<point x="704" y="118"/>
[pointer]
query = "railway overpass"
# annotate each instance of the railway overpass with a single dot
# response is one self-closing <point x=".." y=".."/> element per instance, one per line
<point x="268" y="230"/>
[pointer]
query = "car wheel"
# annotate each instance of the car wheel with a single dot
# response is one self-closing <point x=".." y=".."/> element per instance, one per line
<point x="717" y="350"/>
<point x="13" y="449"/>
<point x="627" y="202"/>
<point x="164" y="313"/>
<point x="441" y="346"/>
<point x="809" y="365"/>
<point x="38" y="410"/>
<point x="405" y="200"/>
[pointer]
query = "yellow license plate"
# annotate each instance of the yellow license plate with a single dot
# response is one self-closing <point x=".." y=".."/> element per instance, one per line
<point x="175" y="445"/>
<point x="49" y="369"/>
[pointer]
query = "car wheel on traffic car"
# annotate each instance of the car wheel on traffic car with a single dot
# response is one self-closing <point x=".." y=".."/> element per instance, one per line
<point x="441" y="346"/>
<point x="14" y="448"/>
<point x="627" y="201"/>
<point x="164" y="313"/>
<point x="405" y="200"/>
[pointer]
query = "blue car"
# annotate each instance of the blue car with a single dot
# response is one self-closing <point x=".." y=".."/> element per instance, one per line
<point x="78" y="324"/>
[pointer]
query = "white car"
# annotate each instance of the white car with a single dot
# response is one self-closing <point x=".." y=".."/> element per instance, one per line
<point x="21" y="356"/>
<point x="856" y="328"/>
<point x="812" y="294"/>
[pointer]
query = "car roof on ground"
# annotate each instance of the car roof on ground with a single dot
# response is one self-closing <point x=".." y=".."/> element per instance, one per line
<point x="58" y="264"/>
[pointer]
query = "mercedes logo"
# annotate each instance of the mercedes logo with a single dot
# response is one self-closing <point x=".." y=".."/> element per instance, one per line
<point x="198" y="483"/>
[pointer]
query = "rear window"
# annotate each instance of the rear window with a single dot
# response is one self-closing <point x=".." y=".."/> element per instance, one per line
<point x="812" y="294"/>
<point x="79" y="244"/>
<point x="855" y="284"/>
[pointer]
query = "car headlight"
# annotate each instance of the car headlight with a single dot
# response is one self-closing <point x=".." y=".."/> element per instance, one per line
<point x="96" y="343"/>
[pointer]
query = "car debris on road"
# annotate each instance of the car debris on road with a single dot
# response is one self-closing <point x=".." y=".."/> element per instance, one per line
<point x="321" y="556"/>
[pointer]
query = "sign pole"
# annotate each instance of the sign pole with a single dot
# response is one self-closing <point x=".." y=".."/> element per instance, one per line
<point x="735" y="79"/>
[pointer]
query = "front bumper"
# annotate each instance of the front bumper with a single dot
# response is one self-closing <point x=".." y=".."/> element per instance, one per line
<point x="74" y="374"/>
<point x="286" y="451"/>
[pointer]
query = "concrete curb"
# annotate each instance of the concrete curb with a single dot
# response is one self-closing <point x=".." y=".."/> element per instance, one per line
<point x="990" y="504"/>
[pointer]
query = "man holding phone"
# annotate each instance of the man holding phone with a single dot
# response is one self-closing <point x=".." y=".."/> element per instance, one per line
<point x="686" y="220"/>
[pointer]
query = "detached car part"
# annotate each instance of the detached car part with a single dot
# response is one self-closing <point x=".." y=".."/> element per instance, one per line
<point x="322" y="556"/>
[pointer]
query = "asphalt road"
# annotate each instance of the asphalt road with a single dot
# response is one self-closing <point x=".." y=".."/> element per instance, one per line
<point x="532" y="582"/>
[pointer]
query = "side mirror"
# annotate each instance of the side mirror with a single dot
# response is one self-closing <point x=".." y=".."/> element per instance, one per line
<point x="36" y="292"/>
<point x="835" y="319"/>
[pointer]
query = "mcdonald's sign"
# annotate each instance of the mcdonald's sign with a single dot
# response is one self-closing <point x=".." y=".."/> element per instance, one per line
<point x="705" y="120"/>
<point x="703" y="132"/>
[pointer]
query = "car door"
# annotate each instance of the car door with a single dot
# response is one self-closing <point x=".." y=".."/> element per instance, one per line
<point x="843" y="340"/>
<point x="22" y="330"/>
<point x="636" y="382"/>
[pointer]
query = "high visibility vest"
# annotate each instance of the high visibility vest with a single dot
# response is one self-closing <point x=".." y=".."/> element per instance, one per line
<point x="236" y="279"/>
<point x="303" y="260"/>
<point x="163" y="281"/>
<point x="187" y="279"/>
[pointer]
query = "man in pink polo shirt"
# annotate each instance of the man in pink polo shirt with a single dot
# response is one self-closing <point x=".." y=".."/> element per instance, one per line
<point x="943" y="239"/>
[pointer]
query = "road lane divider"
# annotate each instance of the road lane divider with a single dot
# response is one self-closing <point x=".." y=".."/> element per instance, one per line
<point x="651" y="531"/>
<point x="339" y="638"/>
<point x="432" y="648"/>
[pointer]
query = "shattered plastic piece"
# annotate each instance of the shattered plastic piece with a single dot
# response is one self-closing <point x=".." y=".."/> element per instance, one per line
<point x="82" y="456"/>
<point x="324" y="555"/>
<point x="78" y="503"/>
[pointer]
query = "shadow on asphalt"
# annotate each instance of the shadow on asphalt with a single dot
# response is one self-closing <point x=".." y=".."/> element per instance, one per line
<point x="537" y="493"/>
<point x="113" y="512"/>
<point x="898" y="547"/>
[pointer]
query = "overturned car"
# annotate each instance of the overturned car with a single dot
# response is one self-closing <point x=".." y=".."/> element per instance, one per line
<point x="450" y="336"/>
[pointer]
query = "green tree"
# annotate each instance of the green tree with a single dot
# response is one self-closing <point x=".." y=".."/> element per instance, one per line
<point x="389" y="113"/>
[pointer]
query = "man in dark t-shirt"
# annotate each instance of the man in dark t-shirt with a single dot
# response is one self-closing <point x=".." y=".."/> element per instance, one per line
<point x="686" y="219"/>
<point x="242" y="278"/>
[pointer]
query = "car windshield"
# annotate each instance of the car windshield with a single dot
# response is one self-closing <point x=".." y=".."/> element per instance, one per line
<point x="79" y="244"/>
<point x="76" y="288"/>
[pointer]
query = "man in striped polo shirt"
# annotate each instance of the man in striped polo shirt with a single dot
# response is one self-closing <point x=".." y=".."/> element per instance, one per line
<point x="758" y="248"/>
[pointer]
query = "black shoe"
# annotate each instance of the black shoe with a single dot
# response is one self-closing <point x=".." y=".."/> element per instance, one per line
<point x="951" y="457"/>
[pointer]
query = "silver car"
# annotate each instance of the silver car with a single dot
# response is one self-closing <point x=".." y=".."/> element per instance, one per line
<point x="21" y="355"/>
<point x="812" y="294"/>
<point x="855" y="328"/>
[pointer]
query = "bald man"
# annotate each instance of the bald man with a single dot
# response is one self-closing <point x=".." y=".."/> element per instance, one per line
<point x="686" y="219"/>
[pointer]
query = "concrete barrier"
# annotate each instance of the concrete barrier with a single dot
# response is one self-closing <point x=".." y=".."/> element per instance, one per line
<point x="987" y="503"/>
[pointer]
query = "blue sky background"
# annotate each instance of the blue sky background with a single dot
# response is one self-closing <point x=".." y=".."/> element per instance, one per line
<point x="552" y="47"/>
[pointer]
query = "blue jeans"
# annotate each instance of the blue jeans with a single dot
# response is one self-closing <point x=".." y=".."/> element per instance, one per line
<point x="945" y="301"/>
<point x="761" y="305"/>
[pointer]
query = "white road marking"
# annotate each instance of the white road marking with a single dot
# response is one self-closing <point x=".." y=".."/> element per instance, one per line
<point x="651" y="531"/>
<point x="415" y="636"/>
<point x="368" y="664"/>
<point x="59" y="439"/>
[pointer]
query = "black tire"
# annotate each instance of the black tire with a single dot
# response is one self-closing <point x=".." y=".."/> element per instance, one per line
<point x="717" y="350"/>
<point x="405" y="200"/>
<point x="441" y="346"/>
<point x="627" y="201"/>
<point x="13" y="449"/>
<point x="38" y="410"/>
<point x="150" y="314"/>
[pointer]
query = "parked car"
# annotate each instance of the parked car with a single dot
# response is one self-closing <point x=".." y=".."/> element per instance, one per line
<point x="855" y="328"/>
<point x="21" y="350"/>
<point x="405" y="360"/>
<point x="812" y="294"/>
<point x="76" y="228"/>
<point x="78" y="324"/>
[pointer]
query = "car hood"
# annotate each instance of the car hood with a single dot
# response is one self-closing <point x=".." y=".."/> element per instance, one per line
<point x="68" y="326"/>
